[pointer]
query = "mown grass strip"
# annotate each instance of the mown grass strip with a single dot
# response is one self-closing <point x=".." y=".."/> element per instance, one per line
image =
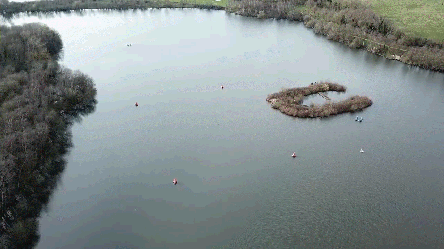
<point x="423" y="18"/>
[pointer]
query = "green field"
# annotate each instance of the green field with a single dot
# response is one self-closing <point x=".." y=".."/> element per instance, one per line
<point x="424" y="18"/>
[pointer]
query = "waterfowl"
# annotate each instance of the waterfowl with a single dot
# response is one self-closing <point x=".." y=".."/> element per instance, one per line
<point x="222" y="86"/>
<point x="174" y="181"/>
<point x="294" y="154"/>
<point x="136" y="104"/>
<point x="357" y="118"/>
<point x="362" y="151"/>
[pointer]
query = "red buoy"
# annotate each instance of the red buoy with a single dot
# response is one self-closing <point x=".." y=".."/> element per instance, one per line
<point x="136" y="104"/>
<point x="175" y="181"/>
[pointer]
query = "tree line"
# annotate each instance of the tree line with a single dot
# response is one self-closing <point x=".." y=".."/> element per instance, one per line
<point x="39" y="101"/>
<point x="7" y="9"/>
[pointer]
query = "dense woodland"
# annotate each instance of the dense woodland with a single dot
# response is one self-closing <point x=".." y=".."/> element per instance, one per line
<point x="39" y="100"/>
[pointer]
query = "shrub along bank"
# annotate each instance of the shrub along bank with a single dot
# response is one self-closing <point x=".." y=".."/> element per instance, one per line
<point x="351" y="23"/>
<point x="10" y="8"/>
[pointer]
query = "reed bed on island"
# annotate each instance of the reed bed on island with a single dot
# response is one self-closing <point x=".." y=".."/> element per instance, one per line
<point x="289" y="101"/>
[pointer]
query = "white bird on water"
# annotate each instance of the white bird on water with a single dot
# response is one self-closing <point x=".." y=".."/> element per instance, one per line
<point x="362" y="151"/>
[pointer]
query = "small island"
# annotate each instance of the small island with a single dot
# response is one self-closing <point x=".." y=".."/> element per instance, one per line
<point x="289" y="101"/>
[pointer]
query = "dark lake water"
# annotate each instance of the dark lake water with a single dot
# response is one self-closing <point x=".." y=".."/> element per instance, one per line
<point x="238" y="185"/>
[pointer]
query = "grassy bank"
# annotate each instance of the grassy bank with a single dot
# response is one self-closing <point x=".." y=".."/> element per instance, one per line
<point x="352" y="23"/>
<point x="289" y="101"/>
<point x="421" y="18"/>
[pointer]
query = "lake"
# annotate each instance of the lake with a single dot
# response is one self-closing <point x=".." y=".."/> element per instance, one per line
<point x="238" y="185"/>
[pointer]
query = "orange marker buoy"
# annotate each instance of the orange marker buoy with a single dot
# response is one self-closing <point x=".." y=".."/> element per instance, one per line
<point x="136" y="104"/>
<point x="294" y="154"/>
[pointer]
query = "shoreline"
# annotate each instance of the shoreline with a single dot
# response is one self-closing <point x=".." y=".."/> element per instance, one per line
<point x="353" y="24"/>
<point x="350" y="23"/>
<point x="40" y="100"/>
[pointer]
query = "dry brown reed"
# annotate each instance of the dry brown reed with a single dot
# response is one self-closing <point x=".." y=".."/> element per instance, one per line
<point x="289" y="101"/>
